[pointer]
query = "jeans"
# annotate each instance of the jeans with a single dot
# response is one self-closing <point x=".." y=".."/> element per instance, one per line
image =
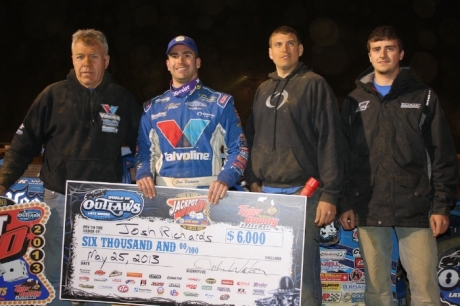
<point x="53" y="245"/>
<point x="418" y="255"/>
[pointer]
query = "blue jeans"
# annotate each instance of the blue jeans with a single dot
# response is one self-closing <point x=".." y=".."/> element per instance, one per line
<point x="53" y="245"/>
<point x="418" y="255"/>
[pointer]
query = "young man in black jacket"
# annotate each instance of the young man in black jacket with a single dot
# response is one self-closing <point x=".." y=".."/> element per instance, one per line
<point x="293" y="134"/>
<point x="401" y="174"/>
<point x="82" y="121"/>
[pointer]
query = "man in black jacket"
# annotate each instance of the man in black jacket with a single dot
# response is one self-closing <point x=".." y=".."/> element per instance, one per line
<point x="82" y="121"/>
<point x="293" y="134"/>
<point x="401" y="174"/>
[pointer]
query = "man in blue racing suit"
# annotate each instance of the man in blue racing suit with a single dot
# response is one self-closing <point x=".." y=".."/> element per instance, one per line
<point x="185" y="130"/>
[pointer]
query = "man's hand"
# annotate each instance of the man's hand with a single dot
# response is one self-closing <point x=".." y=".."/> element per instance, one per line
<point x="325" y="213"/>
<point x="217" y="191"/>
<point x="147" y="186"/>
<point x="347" y="219"/>
<point x="2" y="190"/>
<point x="254" y="187"/>
<point x="439" y="224"/>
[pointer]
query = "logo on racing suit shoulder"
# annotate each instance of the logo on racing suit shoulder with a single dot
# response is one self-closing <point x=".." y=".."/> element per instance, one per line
<point x="111" y="204"/>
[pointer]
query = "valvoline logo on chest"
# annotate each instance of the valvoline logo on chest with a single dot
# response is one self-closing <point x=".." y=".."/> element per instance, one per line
<point x="186" y="138"/>
<point x="112" y="204"/>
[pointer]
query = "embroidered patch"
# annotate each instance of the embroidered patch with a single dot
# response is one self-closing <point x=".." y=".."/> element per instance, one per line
<point x="411" y="105"/>
<point x="362" y="106"/>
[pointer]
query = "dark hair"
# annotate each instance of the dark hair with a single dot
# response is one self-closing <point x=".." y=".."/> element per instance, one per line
<point x="384" y="33"/>
<point x="284" y="30"/>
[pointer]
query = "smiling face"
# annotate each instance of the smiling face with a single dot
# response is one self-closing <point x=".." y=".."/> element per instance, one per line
<point x="385" y="56"/>
<point x="183" y="64"/>
<point x="285" y="51"/>
<point x="89" y="62"/>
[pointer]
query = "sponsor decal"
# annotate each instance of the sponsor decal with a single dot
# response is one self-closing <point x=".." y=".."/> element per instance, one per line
<point x="411" y="105"/>
<point x="243" y="283"/>
<point x="205" y="287"/>
<point x="86" y="286"/>
<point x="157" y="284"/>
<point x="143" y="282"/>
<point x="333" y="254"/>
<point x="258" y="292"/>
<point x="260" y="285"/>
<point x="331" y="297"/>
<point x="174" y="277"/>
<point x="116" y="280"/>
<point x="330" y="286"/>
<point x="353" y="287"/>
<point x="194" y="279"/>
<point x="115" y="273"/>
<point x="362" y="106"/>
<point x="83" y="278"/>
<point x="189" y="210"/>
<point x="331" y="266"/>
<point x="174" y="292"/>
<point x="28" y="290"/>
<point x="356" y="275"/>
<point x="359" y="263"/>
<point x="195" y="105"/>
<point x="160" y="290"/>
<point x="112" y="205"/>
<point x="155" y="276"/>
<point x="100" y="279"/>
<point x="210" y="281"/>
<point x="130" y="282"/>
<point x="241" y="291"/>
<point x="357" y="297"/>
<point x="226" y="282"/>
<point x="191" y="286"/>
<point x="105" y="287"/>
<point x="28" y="215"/>
<point x="174" y="285"/>
<point x="123" y="288"/>
<point x="224" y="297"/>
<point x="171" y="106"/>
<point x="208" y="295"/>
<point x="163" y="100"/>
<point x="223" y="289"/>
<point x="205" y="115"/>
<point x="99" y="272"/>
<point x="188" y="293"/>
<point x="334" y="277"/>
<point x="85" y="271"/>
<point x="133" y="274"/>
<point x="356" y="253"/>
<point x="355" y="235"/>
<point x="256" y="218"/>
<point x="209" y="99"/>
<point x="158" y="115"/>
<point x="143" y="290"/>
<point x="184" y="139"/>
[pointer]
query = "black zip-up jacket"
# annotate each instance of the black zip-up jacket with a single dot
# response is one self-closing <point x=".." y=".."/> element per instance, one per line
<point x="294" y="133"/>
<point x="82" y="130"/>
<point x="402" y="160"/>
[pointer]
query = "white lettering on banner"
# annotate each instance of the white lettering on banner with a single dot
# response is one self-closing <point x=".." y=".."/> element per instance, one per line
<point x="192" y="155"/>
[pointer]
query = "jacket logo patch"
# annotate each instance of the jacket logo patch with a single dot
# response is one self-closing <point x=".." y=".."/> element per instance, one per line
<point x="411" y="105"/>
<point x="182" y="139"/>
<point x="362" y="106"/>
<point x="110" y="121"/>
<point x="275" y="97"/>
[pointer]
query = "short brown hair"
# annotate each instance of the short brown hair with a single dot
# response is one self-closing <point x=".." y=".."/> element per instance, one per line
<point x="284" y="30"/>
<point x="384" y="33"/>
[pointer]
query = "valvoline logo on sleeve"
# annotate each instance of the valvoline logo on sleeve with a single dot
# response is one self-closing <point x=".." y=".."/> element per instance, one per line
<point x="112" y="204"/>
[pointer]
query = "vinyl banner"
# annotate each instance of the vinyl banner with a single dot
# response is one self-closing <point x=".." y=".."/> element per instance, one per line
<point x="178" y="249"/>
<point x="22" y="272"/>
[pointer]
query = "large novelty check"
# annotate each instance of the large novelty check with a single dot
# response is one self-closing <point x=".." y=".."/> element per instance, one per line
<point x="177" y="247"/>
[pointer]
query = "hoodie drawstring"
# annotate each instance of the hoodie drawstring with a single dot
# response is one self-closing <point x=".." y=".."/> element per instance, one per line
<point x="276" y="109"/>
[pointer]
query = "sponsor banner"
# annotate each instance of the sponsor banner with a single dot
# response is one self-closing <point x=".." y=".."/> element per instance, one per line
<point x="178" y="247"/>
<point x="22" y="279"/>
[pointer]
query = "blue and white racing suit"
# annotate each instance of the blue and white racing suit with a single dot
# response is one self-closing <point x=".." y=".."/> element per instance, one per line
<point x="182" y="138"/>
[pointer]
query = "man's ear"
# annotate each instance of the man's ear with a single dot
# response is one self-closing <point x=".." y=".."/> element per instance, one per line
<point x="270" y="53"/>
<point x="198" y="62"/>
<point x="401" y="55"/>
<point x="300" y="50"/>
